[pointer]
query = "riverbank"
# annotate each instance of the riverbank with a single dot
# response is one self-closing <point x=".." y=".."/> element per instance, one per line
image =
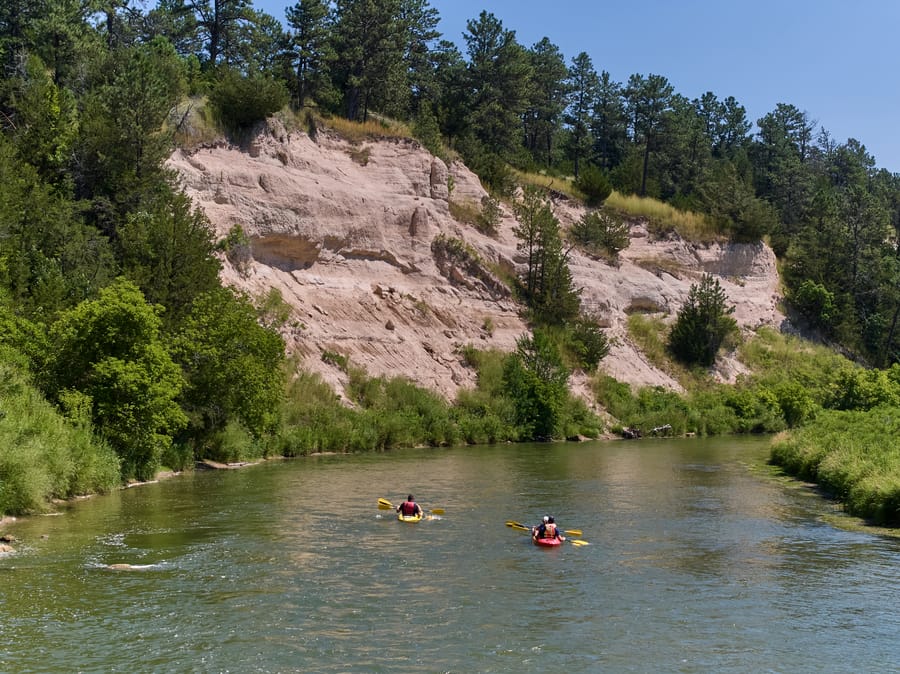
<point x="853" y="457"/>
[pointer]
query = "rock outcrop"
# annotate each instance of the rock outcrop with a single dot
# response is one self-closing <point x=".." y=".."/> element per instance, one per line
<point x="347" y="234"/>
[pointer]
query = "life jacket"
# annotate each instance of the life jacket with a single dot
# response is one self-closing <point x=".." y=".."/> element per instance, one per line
<point x="408" y="508"/>
<point x="550" y="531"/>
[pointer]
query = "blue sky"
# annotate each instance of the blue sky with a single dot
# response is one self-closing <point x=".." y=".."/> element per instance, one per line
<point x="836" y="60"/>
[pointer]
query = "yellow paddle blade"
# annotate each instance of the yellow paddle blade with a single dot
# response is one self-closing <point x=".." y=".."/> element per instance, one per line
<point x="576" y="542"/>
<point x="384" y="504"/>
<point x="516" y="525"/>
<point x="573" y="532"/>
<point x="437" y="511"/>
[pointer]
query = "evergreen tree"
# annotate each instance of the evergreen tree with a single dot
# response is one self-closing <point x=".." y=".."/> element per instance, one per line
<point x="547" y="100"/>
<point x="649" y="99"/>
<point x="368" y="42"/>
<point x="703" y="323"/>
<point x="583" y="85"/>
<point x="547" y="285"/>
<point x="498" y="75"/>
<point x="608" y="123"/>
<point x="309" y="50"/>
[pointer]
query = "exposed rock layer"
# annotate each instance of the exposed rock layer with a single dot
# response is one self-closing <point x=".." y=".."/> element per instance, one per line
<point x="345" y="233"/>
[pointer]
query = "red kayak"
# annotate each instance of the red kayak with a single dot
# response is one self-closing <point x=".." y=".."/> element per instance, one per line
<point x="546" y="542"/>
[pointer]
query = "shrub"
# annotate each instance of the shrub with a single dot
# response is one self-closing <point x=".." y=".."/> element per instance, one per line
<point x="815" y="302"/>
<point x="601" y="231"/>
<point x="240" y="101"/>
<point x="594" y="184"/>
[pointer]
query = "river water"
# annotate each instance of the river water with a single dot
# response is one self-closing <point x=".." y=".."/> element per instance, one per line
<point x="697" y="562"/>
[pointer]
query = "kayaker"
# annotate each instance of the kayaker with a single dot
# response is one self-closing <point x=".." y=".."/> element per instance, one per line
<point x="548" y="529"/>
<point x="409" y="507"/>
<point x="538" y="531"/>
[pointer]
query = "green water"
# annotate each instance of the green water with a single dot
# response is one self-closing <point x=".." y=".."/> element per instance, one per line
<point x="696" y="563"/>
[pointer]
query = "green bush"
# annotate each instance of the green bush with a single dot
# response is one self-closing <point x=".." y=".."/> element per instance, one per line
<point x="601" y="231"/>
<point x="594" y="184"/>
<point x="241" y="101"/>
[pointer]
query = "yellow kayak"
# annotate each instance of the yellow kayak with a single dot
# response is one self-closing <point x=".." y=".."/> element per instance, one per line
<point x="410" y="518"/>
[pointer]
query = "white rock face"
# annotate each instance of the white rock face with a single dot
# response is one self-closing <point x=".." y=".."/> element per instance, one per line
<point x="345" y="234"/>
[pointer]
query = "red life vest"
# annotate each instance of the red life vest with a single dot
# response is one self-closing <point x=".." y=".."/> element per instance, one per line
<point x="550" y="531"/>
<point x="408" y="508"/>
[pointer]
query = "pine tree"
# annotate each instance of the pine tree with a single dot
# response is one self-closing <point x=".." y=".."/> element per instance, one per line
<point x="702" y="324"/>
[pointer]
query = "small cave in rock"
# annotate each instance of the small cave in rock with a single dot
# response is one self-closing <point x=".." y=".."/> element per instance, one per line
<point x="287" y="253"/>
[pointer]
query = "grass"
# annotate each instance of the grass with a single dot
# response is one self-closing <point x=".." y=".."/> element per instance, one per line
<point x="649" y="334"/>
<point x="357" y="132"/>
<point x="854" y="456"/>
<point x="557" y="184"/>
<point x="43" y="456"/>
<point x="664" y="218"/>
<point x="192" y="124"/>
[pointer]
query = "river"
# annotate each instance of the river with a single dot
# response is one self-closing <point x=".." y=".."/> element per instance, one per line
<point x="698" y="562"/>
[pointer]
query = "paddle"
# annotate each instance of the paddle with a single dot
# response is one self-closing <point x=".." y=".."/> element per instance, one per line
<point x="516" y="525"/>
<point x="384" y="504"/>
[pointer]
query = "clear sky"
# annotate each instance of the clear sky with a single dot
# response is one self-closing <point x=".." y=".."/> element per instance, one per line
<point x="837" y="60"/>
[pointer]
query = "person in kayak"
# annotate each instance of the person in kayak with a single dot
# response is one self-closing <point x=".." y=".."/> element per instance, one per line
<point x="538" y="531"/>
<point x="548" y="529"/>
<point x="409" y="508"/>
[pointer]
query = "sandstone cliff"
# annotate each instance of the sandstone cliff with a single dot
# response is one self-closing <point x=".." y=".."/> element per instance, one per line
<point x="345" y="233"/>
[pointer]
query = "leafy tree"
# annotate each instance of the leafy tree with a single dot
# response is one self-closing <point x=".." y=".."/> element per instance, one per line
<point x="233" y="367"/>
<point x="536" y="379"/>
<point x="703" y="323"/>
<point x="110" y="351"/>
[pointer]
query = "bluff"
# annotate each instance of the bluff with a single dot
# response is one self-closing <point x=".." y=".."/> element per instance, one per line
<point x="347" y="233"/>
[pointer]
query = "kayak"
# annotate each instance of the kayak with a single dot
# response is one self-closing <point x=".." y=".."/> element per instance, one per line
<point x="546" y="542"/>
<point x="410" y="518"/>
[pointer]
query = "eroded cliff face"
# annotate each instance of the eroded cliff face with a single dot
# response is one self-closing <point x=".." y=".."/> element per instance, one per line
<point x="345" y="232"/>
